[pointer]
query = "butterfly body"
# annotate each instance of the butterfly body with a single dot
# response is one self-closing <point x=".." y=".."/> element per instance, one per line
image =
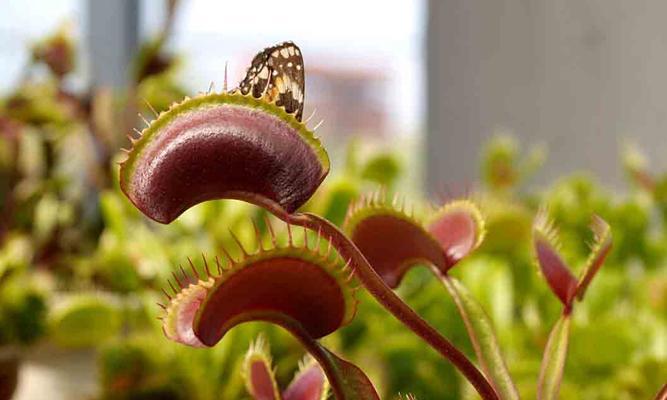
<point x="277" y="75"/>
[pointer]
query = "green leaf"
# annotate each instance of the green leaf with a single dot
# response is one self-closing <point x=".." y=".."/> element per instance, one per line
<point x="85" y="320"/>
<point x="15" y="254"/>
<point x="553" y="361"/>
<point x="46" y="217"/>
<point x="483" y="338"/>
<point x="340" y="194"/>
<point x="383" y="169"/>
<point x="113" y="213"/>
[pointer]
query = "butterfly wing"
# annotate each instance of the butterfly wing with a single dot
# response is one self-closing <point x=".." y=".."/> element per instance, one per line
<point x="257" y="76"/>
<point x="288" y="80"/>
<point x="277" y="74"/>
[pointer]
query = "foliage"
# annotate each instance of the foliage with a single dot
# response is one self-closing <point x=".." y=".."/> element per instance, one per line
<point x="22" y="312"/>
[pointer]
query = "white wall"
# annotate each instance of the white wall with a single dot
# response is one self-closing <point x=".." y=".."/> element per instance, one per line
<point x="578" y="75"/>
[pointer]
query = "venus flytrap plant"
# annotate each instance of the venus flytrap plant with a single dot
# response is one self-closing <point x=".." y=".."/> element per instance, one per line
<point x="249" y="144"/>
<point x="302" y="289"/>
<point x="567" y="288"/>
<point x="309" y="383"/>
<point x="394" y="241"/>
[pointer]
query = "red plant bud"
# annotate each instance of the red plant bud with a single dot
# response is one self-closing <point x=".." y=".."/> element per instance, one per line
<point x="557" y="273"/>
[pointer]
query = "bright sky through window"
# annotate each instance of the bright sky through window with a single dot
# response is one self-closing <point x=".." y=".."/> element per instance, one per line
<point x="377" y="34"/>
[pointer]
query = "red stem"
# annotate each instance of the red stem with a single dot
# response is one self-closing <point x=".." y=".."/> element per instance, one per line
<point x="662" y="394"/>
<point x="387" y="298"/>
<point x="322" y="356"/>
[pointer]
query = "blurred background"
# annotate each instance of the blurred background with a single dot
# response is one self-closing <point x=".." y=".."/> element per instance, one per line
<point x="519" y="103"/>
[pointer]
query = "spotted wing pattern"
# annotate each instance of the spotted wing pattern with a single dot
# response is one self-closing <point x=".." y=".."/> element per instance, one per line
<point x="277" y="74"/>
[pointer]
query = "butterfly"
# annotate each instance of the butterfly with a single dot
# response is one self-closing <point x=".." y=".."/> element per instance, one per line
<point x="277" y="75"/>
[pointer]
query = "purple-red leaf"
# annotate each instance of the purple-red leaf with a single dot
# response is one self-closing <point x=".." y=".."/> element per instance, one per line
<point x="599" y="251"/>
<point x="283" y="285"/>
<point x="177" y="324"/>
<point x="459" y="228"/>
<point x="222" y="146"/>
<point x="545" y="241"/>
<point x="309" y="383"/>
<point x="292" y="283"/>
<point x="261" y="381"/>
<point x="297" y="288"/>
<point x="258" y="372"/>
<point x="353" y="383"/>
<point x="391" y="240"/>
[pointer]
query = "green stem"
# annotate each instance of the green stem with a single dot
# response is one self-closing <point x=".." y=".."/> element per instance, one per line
<point x="387" y="298"/>
<point x="553" y="361"/>
<point x="481" y="334"/>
